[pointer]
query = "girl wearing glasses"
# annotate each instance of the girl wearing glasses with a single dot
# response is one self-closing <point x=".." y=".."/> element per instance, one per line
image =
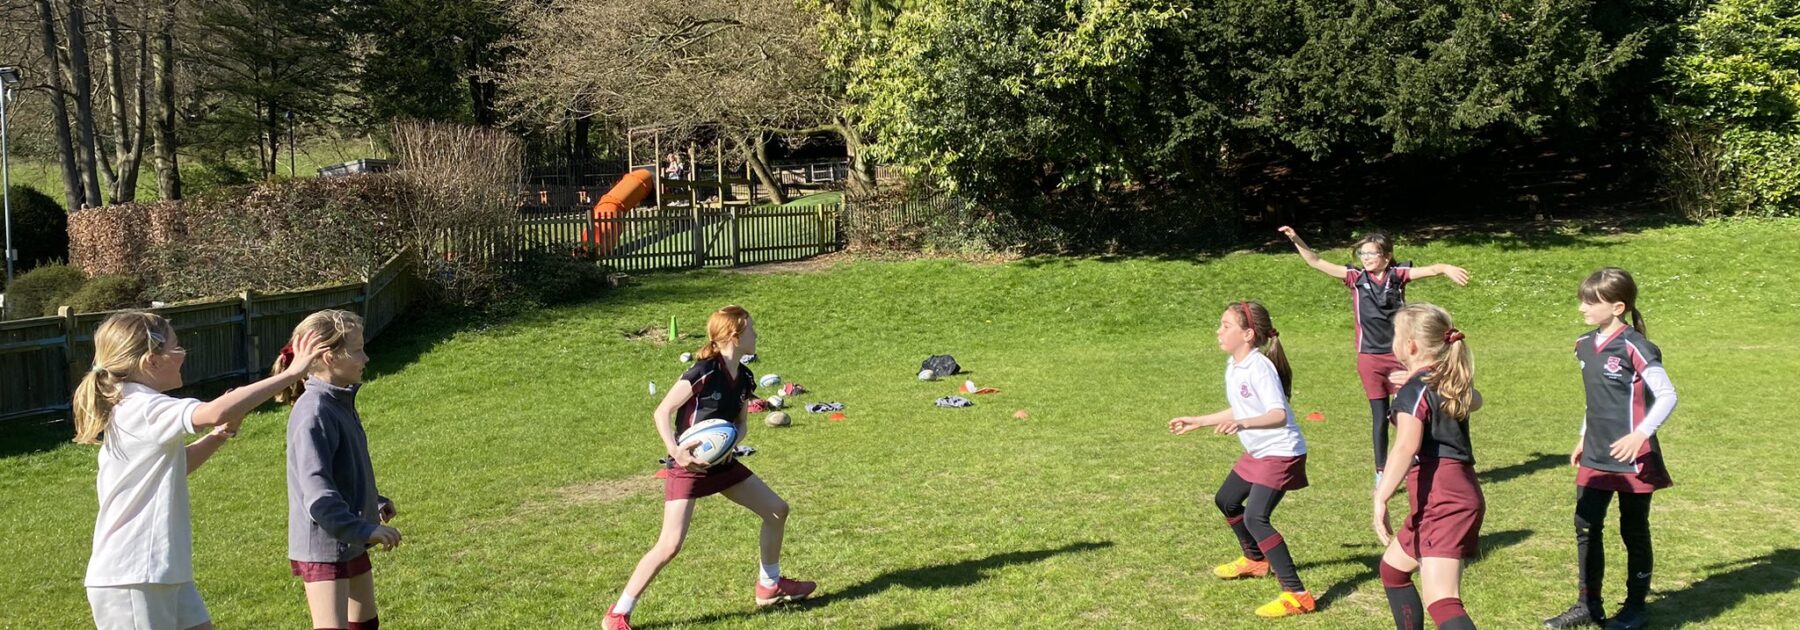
<point x="141" y="573"/>
<point x="1377" y="291"/>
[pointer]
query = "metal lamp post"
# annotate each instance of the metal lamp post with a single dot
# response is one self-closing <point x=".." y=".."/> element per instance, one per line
<point x="8" y="76"/>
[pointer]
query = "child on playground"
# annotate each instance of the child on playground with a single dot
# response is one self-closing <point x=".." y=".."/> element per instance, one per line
<point x="717" y="386"/>
<point x="1274" y="459"/>
<point x="334" y="511"/>
<point x="1377" y="290"/>
<point x="1629" y="395"/>
<point x="141" y="572"/>
<point x="1432" y="453"/>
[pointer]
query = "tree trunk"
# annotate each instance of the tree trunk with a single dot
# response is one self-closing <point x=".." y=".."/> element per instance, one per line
<point x="127" y="136"/>
<point x="580" y="151"/>
<point x="162" y="69"/>
<point x="84" y="101"/>
<point x="862" y="170"/>
<point x="481" y="94"/>
<point x="59" y="107"/>
<point x="112" y="55"/>
<point x="754" y="156"/>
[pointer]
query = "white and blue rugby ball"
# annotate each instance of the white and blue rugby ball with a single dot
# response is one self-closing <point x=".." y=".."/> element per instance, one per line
<point x="716" y="438"/>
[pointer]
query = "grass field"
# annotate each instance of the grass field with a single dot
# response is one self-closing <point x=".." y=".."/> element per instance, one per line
<point x="46" y="176"/>
<point x="521" y="454"/>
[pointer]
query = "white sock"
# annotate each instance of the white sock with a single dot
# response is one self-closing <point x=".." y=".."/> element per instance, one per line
<point x="626" y="603"/>
<point x="769" y="573"/>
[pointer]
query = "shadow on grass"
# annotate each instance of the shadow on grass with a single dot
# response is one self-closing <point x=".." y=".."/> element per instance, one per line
<point x="1537" y="462"/>
<point x="424" y="325"/>
<point x="954" y="575"/>
<point x="1775" y="572"/>
<point x="1371" y="564"/>
<point x="24" y="438"/>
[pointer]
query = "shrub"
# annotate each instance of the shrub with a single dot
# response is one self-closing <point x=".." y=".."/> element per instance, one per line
<point x="107" y="293"/>
<point x="40" y="228"/>
<point x="1735" y="144"/>
<point x="40" y="291"/>
<point x="554" y="276"/>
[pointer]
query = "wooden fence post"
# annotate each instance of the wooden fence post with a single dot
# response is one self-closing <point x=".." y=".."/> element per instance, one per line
<point x="73" y="374"/>
<point x="699" y="232"/>
<point x="733" y="218"/>
<point x="251" y="362"/>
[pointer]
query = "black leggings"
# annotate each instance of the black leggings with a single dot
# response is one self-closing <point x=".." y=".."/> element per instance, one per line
<point x="1378" y="431"/>
<point x="1634" y="527"/>
<point x="1255" y="534"/>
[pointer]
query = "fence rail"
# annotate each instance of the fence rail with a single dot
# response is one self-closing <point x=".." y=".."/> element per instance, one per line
<point x="649" y="239"/>
<point x="42" y="359"/>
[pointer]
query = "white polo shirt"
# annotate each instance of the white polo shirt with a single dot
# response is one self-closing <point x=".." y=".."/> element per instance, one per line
<point x="142" y="535"/>
<point x="1254" y="389"/>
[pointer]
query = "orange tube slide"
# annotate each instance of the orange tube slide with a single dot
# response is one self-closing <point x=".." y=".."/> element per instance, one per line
<point x="631" y="189"/>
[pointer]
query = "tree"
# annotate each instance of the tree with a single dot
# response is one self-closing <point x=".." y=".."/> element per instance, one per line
<point x="1735" y="112"/>
<point x="264" y="66"/>
<point x="984" y="94"/>
<point x="425" y="60"/>
<point x="750" y="68"/>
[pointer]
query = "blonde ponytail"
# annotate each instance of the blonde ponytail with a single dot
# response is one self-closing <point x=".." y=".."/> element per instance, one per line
<point x="121" y="345"/>
<point x="1452" y="375"/>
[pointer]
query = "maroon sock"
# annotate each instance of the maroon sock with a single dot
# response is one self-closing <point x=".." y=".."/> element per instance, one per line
<point x="374" y="623"/>
<point x="1448" y="614"/>
<point x="1403" y="598"/>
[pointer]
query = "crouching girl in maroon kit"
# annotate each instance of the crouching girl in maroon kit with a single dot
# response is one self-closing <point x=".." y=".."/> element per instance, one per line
<point x="716" y="387"/>
<point x="1432" y="453"/>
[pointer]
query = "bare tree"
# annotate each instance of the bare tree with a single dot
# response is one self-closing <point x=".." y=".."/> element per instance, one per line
<point x="752" y="68"/>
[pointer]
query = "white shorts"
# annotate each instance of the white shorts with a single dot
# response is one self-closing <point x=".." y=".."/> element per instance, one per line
<point x="147" y="607"/>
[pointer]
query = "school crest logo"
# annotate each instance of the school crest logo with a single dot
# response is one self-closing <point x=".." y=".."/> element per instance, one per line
<point x="1244" y="390"/>
<point x="1612" y="365"/>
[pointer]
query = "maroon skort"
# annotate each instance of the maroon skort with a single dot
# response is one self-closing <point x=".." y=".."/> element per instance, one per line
<point x="1280" y="473"/>
<point x="1447" y="507"/>
<point x="1374" y="369"/>
<point x="682" y="484"/>
<point x="328" y="571"/>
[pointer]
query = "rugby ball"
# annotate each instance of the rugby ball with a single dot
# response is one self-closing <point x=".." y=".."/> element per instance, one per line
<point x="777" y="402"/>
<point x="778" y="419"/>
<point x="715" y="439"/>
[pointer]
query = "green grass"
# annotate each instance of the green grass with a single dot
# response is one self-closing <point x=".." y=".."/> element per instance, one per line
<point x="520" y="455"/>
<point x="46" y="176"/>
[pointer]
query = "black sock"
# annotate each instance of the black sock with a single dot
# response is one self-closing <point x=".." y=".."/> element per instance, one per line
<point x="374" y="623"/>
<point x="1230" y="498"/>
<point x="1448" y="614"/>
<point x="1244" y="540"/>
<point x="1403" y="598"/>
<point x="1260" y="505"/>
<point x="1378" y="431"/>
<point x="1276" y="550"/>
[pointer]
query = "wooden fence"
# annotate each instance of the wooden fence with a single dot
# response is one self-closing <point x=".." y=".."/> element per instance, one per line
<point x="649" y="239"/>
<point x="233" y="339"/>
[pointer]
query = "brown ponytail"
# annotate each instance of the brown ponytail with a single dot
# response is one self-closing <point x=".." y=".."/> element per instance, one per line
<point x="1255" y="317"/>
<point x="1612" y="285"/>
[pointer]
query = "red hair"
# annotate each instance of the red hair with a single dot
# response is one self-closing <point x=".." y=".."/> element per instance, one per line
<point x="723" y="327"/>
